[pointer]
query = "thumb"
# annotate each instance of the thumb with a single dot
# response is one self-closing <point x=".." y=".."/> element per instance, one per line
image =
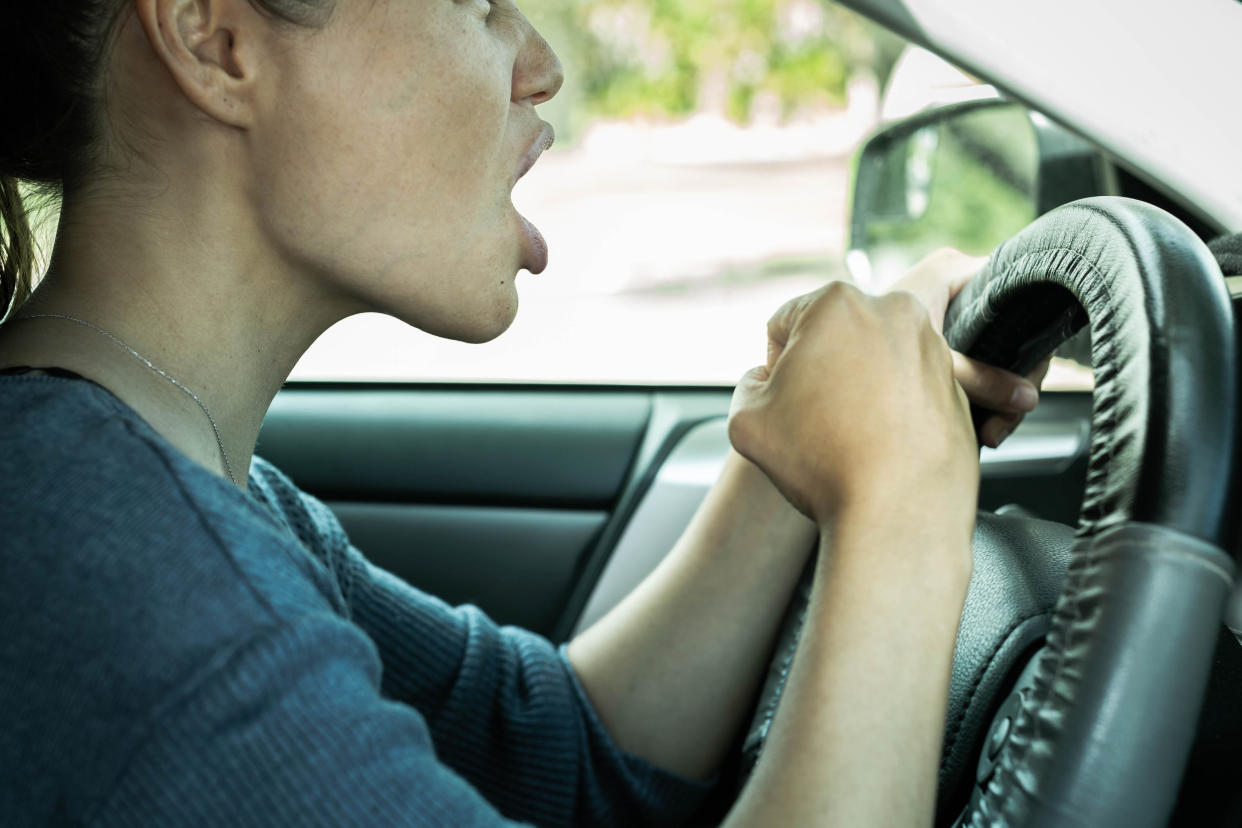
<point x="938" y="278"/>
<point x="958" y="270"/>
<point x="748" y="390"/>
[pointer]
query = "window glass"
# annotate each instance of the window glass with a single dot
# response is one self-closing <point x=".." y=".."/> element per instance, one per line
<point x="701" y="177"/>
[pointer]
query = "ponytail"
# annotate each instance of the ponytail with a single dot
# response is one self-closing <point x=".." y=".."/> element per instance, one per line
<point x="17" y="248"/>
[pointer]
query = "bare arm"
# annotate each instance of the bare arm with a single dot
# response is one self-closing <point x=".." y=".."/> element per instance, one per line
<point x="856" y="740"/>
<point x="673" y="669"/>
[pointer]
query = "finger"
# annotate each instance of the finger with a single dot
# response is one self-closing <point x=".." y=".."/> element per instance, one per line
<point x="994" y="388"/>
<point x="938" y="278"/>
<point x="962" y="279"/>
<point x="997" y="429"/>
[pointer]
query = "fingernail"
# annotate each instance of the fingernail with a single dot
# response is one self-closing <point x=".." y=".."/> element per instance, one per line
<point x="1024" y="398"/>
<point x="999" y="434"/>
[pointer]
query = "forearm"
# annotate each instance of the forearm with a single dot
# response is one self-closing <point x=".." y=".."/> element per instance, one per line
<point x="673" y="669"/>
<point x="856" y="740"/>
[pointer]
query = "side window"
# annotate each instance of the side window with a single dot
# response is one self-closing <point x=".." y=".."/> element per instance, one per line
<point x="701" y="177"/>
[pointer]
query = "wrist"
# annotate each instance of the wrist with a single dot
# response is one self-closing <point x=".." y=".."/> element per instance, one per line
<point x="924" y="543"/>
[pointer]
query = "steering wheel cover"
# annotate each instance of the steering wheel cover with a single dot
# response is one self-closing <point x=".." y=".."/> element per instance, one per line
<point x="1161" y="344"/>
<point x="1133" y="629"/>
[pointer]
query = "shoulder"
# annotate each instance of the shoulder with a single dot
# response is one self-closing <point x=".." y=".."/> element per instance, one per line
<point x="137" y="540"/>
<point x="79" y="467"/>
<point x="125" y="572"/>
<point x="309" y="518"/>
<point x="90" y="487"/>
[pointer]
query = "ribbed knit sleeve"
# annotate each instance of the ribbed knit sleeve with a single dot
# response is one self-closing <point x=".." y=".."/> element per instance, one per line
<point x="504" y="707"/>
<point x="507" y="712"/>
<point x="291" y="729"/>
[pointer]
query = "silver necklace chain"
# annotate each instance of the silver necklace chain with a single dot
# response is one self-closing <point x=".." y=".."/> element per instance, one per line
<point x="224" y="455"/>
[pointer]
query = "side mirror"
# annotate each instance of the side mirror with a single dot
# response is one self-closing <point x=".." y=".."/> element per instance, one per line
<point x="968" y="175"/>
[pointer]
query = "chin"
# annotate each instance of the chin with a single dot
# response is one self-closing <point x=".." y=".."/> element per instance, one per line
<point x="479" y="323"/>
<point x="492" y="327"/>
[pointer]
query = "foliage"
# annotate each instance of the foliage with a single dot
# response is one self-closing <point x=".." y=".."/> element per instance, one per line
<point x="668" y="58"/>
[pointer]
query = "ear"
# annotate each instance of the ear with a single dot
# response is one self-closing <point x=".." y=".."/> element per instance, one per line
<point x="209" y="49"/>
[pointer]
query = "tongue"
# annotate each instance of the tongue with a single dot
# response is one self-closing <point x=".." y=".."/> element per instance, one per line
<point x="534" y="248"/>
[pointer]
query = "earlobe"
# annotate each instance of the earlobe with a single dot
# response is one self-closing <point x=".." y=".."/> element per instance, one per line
<point x="201" y="44"/>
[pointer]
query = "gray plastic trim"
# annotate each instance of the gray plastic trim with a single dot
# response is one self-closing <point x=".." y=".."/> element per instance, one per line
<point x="531" y="556"/>
<point x="471" y="446"/>
<point x="691" y="469"/>
<point x="1233" y="613"/>
<point x="1037" y="448"/>
<point x="676" y="492"/>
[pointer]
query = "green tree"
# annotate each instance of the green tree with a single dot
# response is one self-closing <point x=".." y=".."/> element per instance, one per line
<point x="673" y="57"/>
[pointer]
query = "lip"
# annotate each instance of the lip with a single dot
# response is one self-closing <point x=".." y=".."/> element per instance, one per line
<point x="542" y="141"/>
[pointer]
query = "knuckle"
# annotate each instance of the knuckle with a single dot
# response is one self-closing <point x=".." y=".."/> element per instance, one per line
<point x="777" y="321"/>
<point x="784" y="310"/>
<point x="838" y="286"/>
<point x="841" y="291"/>
<point x="835" y="298"/>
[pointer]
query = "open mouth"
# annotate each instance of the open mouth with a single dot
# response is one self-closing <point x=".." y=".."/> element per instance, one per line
<point x="534" y="246"/>
<point x="542" y="141"/>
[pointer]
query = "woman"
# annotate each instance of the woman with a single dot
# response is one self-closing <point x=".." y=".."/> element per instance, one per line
<point x="187" y="643"/>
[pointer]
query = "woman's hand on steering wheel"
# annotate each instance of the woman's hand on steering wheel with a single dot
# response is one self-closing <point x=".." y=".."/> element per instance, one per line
<point x="935" y="281"/>
<point x="857" y="406"/>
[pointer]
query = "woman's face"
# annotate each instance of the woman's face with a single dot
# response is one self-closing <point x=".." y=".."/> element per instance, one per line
<point x="392" y="140"/>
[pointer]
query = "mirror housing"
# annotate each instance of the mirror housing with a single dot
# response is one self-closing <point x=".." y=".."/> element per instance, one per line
<point x="968" y="175"/>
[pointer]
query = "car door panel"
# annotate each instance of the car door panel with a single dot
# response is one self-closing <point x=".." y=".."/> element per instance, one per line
<point x="506" y="497"/>
<point x="517" y="563"/>
<point x="545" y="505"/>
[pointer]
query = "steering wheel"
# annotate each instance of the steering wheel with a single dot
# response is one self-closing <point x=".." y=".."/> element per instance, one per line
<point x="1082" y="656"/>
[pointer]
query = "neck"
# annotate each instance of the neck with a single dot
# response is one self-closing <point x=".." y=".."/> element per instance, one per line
<point x="211" y="307"/>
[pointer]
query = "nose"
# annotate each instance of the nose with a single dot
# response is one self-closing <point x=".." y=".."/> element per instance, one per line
<point x="537" y="74"/>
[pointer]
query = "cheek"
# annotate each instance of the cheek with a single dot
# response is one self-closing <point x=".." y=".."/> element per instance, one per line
<point x="395" y="189"/>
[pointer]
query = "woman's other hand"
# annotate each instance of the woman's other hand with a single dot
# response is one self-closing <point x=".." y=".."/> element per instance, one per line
<point x="935" y="281"/>
<point x="857" y="404"/>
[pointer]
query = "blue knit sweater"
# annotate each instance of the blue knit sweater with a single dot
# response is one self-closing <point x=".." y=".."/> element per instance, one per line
<point x="174" y="651"/>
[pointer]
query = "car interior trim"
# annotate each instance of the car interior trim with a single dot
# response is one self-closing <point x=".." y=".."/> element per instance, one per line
<point x="471" y="446"/>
